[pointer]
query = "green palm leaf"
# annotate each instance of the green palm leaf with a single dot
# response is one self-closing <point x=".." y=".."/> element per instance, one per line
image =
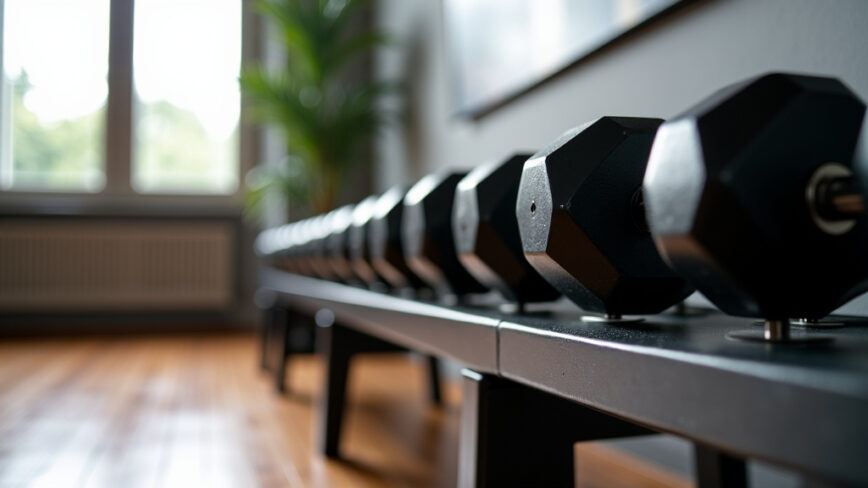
<point x="326" y="117"/>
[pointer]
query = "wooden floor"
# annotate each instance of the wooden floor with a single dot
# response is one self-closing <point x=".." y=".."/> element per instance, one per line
<point x="193" y="411"/>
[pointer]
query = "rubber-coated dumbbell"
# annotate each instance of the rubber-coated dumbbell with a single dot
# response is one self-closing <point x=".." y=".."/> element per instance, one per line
<point x="751" y="197"/>
<point x="385" y="242"/>
<point x="360" y="257"/>
<point x="337" y="247"/>
<point x="286" y="255"/>
<point x="582" y="221"/>
<point x="429" y="247"/>
<point x="300" y="246"/>
<point x="274" y="244"/>
<point x="316" y="251"/>
<point x="486" y="234"/>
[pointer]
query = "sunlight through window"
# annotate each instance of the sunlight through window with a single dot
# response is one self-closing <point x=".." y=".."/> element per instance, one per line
<point x="186" y="60"/>
<point x="55" y="67"/>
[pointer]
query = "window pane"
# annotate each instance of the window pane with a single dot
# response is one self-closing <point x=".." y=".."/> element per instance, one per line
<point x="55" y="67"/>
<point x="186" y="59"/>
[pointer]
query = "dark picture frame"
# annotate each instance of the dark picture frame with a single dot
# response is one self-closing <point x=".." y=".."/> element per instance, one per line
<point x="501" y="49"/>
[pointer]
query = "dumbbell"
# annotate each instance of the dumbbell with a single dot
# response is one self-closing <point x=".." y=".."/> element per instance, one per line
<point x="486" y="235"/>
<point x="751" y="196"/>
<point x="337" y="247"/>
<point x="296" y="248"/>
<point x="360" y="257"/>
<point x="272" y="243"/>
<point x="284" y="241"/>
<point x="385" y="242"/>
<point x="316" y="247"/>
<point x="582" y="221"/>
<point x="429" y="247"/>
<point x="307" y="247"/>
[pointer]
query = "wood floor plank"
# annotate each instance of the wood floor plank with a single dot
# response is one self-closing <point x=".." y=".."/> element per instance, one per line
<point x="92" y="426"/>
<point x="195" y="410"/>
<point x="42" y="413"/>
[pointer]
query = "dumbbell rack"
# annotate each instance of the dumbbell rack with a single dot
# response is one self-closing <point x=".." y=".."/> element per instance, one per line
<point x="803" y="407"/>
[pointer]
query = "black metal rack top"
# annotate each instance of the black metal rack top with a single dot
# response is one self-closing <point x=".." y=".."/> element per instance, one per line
<point x="802" y="406"/>
<point x="468" y="338"/>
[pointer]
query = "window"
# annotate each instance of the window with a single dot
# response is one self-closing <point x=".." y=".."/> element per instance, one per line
<point x="185" y="102"/>
<point x="54" y="94"/>
<point x="186" y="56"/>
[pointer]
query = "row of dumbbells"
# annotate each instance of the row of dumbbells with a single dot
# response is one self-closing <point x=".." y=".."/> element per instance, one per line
<point x="753" y="197"/>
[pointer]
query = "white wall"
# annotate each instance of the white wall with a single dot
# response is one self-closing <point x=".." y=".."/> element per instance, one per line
<point x="659" y="71"/>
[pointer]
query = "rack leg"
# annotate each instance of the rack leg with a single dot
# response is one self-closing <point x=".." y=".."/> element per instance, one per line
<point x="273" y="318"/>
<point x="434" y="392"/>
<point x="337" y="345"/>
<point x="266" y="325"/>
<point x="715" y="469"/>
<point x="514" y="436"/>
<point x="283" y="324"/>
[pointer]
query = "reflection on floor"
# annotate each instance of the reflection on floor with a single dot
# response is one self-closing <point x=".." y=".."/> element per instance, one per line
<point x="195" y="411"/>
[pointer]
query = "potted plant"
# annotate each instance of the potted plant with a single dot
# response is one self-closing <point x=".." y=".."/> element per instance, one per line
<point x="325" y="114"/>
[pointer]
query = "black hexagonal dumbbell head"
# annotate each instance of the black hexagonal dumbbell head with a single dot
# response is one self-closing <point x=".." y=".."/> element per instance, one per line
<point x="337" y="247"/>
<point x="485" y="228"/>
<point x="322" y="255"/>
<point x="360" y="257"/>
<point x="303" y="247"/>
<point x="582" y="225"/>
<point x="386" y="243"/>
<point x="316" y="247"/>
<point x="271" y="248"/>
<point x="860" y="160"/>
<point x="429" y="247"/>
<point x="289" y="237"/>
<point x="297" y="247"/>
<point x="736" y="188"/>
<point x="283" y="247"/>
<point x="290" y="242"/>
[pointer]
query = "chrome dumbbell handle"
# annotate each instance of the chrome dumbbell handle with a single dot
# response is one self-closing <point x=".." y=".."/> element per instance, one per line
<point x="833" y="199"/>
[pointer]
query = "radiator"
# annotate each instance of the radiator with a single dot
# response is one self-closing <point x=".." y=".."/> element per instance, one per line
<point x="52" y="266"/>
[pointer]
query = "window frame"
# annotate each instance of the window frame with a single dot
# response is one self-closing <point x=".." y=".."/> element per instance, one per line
<point x="118" y="143"/>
